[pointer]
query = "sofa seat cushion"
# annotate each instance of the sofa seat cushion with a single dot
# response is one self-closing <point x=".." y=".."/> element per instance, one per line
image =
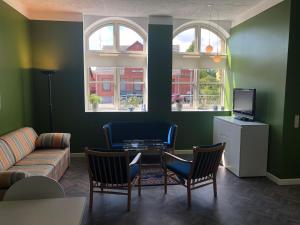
<point x="43" y="157"/>
<point x="58" y="158"/>
<point x="21" y="142"/>
<point x="117" y="146"/>
<point x="35" y="170"/>
<point x="7" y="158"/>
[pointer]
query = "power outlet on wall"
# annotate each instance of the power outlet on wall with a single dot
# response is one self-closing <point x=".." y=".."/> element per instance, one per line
<point x="296" y="121"/>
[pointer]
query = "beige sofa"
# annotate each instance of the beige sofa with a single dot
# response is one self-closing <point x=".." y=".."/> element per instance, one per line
<point x="23" y="153"/>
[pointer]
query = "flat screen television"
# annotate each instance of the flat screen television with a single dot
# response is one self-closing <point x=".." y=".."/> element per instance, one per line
<point x="244" y="103"/>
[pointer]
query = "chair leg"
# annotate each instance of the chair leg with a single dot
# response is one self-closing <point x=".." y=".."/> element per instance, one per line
<point x="91" y="196"/>
<point x="215" y="186"/>
<point x="139" y="185"/>
<point x="165" y="179"/>
<point x="129" y="197"/>
<point x="189" y="192"/>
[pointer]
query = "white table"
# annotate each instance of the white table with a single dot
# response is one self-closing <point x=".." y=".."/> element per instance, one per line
<point x="57" y="211"/>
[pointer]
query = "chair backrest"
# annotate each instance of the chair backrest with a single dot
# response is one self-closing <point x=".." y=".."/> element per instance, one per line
<point x="35" y="187"/>
<point x="108" y="167"/>
<point x="206" y="160"/>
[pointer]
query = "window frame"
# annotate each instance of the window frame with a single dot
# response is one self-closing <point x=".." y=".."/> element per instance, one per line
<point x="116" y="51"/>
<point x="195" y="87"/>
<point x="197" y="27"/>
<point x="116" y="37"/>
<point x="200" y="56"/>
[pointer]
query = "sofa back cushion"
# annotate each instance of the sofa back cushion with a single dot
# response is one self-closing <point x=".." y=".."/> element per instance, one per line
<point x="7" y="158"/>
<point x="21" y="142"/>
<point x="120" y="131"/>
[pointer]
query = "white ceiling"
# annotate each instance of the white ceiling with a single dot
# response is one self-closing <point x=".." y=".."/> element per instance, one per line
<point x="185" y="9"/>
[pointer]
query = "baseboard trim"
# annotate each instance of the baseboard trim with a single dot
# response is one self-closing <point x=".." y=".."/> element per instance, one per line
<point x="183" y="152"/>
<point x="279" y="181"/>
<point x="177" y="152"/>
<point x="77" y="155"/>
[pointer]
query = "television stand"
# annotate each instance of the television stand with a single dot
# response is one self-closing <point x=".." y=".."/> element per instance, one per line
<point x="246" y="147"/>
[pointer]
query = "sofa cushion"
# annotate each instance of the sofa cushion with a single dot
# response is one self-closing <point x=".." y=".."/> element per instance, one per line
<point x="31" y="135"/>
<point x="7" y="158"/>
<point x="21" y="142"/>
<point x="35" y="170"/>
<point x="43" y="157"/>
<point x="120" y="131"/>
<point x="53" y="140"/>
<point x="58" y="158"/>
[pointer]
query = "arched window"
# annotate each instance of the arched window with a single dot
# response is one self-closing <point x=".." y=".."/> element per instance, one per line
<point x="198" y="70"/>
<point x="115" y="67"/>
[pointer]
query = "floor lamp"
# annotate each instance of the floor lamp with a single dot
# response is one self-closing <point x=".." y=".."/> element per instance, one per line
<point x="49" y="73"/>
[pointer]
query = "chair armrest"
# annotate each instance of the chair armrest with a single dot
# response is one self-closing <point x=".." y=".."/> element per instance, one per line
<point x="168" y="155"/>
<point x="8" y="178"/>
<point x="107" y="135"/>
<point x="172" y="135"/>
<point x="136" y="159"/>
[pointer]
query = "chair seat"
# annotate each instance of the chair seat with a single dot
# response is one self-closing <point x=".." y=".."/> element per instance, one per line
<point x="117" y="146"/>
<point x="134" y="169"/>
<point x="180" y="168"/>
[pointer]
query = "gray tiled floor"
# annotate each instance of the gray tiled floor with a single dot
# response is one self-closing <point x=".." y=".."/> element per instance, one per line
<point x="253" y="201"/>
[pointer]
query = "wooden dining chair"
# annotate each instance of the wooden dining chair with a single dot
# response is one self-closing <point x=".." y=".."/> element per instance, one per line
<point x="110" y="172"/>
<point x="199" y="172"/>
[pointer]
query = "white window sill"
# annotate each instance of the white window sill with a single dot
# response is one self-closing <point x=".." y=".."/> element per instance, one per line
<point x="116" y="111"/>
<point x="201" y="110"/>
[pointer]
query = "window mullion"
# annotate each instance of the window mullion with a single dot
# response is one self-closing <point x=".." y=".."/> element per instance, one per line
<point x="117" y="37"/>
<point x="223" y="73"/>
<point x="195" y="89"/>
<point x="117" y="88"/>
<point x="146" y="88"/>
<point x="198" y="39"/>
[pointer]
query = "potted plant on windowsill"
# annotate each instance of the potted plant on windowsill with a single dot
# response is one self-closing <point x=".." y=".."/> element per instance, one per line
<point x="132" y="103"/>
<point x="95" y="100"/>
<point x="178" y="100"/>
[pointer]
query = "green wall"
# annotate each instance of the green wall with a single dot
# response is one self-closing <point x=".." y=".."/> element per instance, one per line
<point x="259" y="50"/>
<point x="61" y="44"/>
<point x="291" y="135"/>
<point x="15" y="70"/>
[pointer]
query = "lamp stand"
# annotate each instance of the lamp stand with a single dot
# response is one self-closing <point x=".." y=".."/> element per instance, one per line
<point x="49" y="73"/>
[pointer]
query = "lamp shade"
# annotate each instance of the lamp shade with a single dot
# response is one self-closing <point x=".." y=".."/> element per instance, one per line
<point x="217" y="58"/>
<point x="209" y="49"/>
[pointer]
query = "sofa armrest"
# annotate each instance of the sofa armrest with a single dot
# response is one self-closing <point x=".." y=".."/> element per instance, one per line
<point x="8" y="178"/>
<point x="172" y="135"/>
<point x="107" y="134"/>
<point x="53" y="140"/>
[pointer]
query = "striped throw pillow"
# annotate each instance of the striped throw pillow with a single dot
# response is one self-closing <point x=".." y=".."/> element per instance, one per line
<point x="53" y="140"/>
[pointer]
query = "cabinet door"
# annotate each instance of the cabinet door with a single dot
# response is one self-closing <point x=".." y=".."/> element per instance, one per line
<point x="230" y="134"/>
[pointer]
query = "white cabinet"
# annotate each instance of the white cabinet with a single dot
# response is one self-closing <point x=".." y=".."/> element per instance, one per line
<point x="246" y="148"/>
